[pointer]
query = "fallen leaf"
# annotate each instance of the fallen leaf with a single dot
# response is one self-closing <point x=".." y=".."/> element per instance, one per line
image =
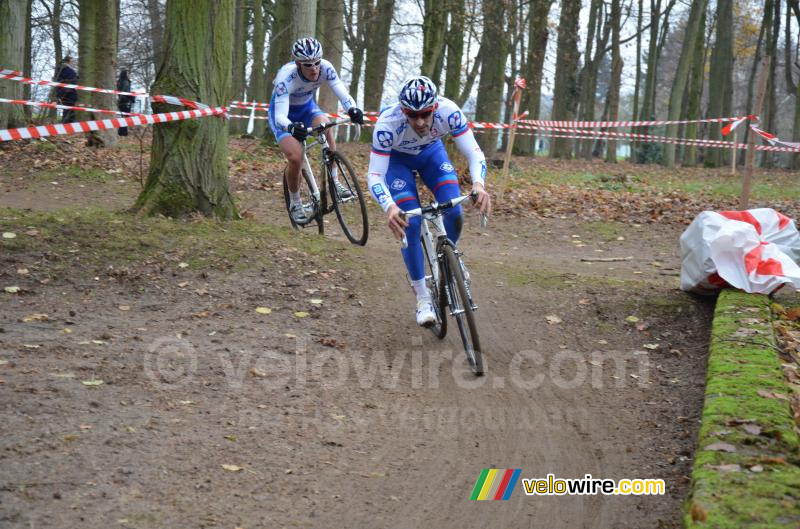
<point x="753" y="429"/>
<point x="92" y="382"/>
<point x="231" y="438"/>
<point x="9" y="235"/>
<point x="756" y="468"/>
<point x="720" y="447"/>
<point x="22" y="271"/>
<point x="698" y="513"/>
<point x="70" y="437"/>
<point x="63" y="375"/>
<point x="98" y="342"/>
<point x="263" y="310"/>
<point x="301" y="314"/>
<point x="256" y="372"/>
<point x="771" y="395"/>
<point x="124" y="307"/>
<point x="232" y="468"/>
<point x="183" y="284"/>
<point x="185" y="402"/>
<point x="651" y="346"/>
<point x="583" y="301"/>
<point x="726" y="468"/>
<point x="30" y="346"/>
<point x="792" y="314"/>
<point x="632" y="319"/>
<point x="183" y="265"/>
<point x="552" y="319"/>
<point x="85" y="426"/>
<point x="315" y="301"/>
<point x="32" y="233"/>
<point x="290" y="335"/>
<point x="3" y="362"/>
<point x="12" y="289"/>
<point x="35" y="317"/>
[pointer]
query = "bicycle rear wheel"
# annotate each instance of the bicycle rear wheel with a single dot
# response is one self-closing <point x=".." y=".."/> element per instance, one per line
<point x="461" y="309"/>
<point x="310" y="203"/>
<point x="351" y="211"/>
<point x="435" y="285"/>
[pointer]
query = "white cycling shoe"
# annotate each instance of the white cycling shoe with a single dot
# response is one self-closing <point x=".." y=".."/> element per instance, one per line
<point x="425" y="314"/>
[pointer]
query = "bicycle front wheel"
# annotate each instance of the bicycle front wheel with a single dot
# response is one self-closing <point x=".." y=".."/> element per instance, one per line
<point x="461" y="309"/>
<point x="433" y="277"/>
<point x="310" y="202"/>
<point x="348" y="200"/>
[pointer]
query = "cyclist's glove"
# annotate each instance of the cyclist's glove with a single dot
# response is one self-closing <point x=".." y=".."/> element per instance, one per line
<point x="356" y="115"/>
<point x="298" y="130"/>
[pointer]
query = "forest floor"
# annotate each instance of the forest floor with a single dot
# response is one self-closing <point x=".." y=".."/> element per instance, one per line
<point x="161" y="373"/>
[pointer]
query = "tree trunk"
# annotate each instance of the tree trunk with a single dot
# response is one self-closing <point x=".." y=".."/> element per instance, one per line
<point x="565" y="89"/>
<point x="304" y="19"/>
<point x="682" y="75"/>
<point x="377" y="55"/>
<point x="795" y="5"/>
<point x="355" y="37"/>
<point x="695" y="91"/>
<point x="773" y="21"/>
<point x="239" y="61"/>
<point x="105" y="67"/>
<point x="280" y="43"/>
<point x="434" y="24"/>
<point x="330" y="32"/>
<point x="612" y="100"/>
<point x="584" y="77"/>
<point x="189" y="159"/>
<point x="28" y="66"/>
<point x="534" y="63"/>
<point x="490" y="86"/>
<point x="12" y="55"/>
<point x="638" y="82"/>
<point x="258" y="85"/>
<point x="156" y="32"/>
<point x="87" y="44"/>
<point x="646" y="151"/>
<point x="54" y="17"/>
<point x="455" y="49"/>
<point x="721" y="90"/>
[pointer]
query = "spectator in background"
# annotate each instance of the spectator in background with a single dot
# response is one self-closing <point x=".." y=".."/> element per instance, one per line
<point x="124" y="103"/>
<point x="67" y="73"/>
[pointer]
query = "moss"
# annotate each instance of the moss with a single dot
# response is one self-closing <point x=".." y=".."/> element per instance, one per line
<point x="608" y="231"/>
<point x="75" y="172"/>
<point x="743" y="370"/>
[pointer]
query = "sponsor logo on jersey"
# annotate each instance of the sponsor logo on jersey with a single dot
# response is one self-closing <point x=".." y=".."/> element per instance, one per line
<point x="280" y="89"/>
<point x="330" y="74"/>
<point x="398" y="184"/>
<point x="379" y="193"/>
<point x="455" y="120"/>
<point x="483" y="169"/>
<point x="385" y="138"/>
<point x="406" y="142"/>
<point x="401" y="128"/>
<point x="447" y="167"/>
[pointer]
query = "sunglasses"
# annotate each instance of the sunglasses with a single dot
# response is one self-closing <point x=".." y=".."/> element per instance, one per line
<point x="310" y="64"/>
<point x="420" y="114"/>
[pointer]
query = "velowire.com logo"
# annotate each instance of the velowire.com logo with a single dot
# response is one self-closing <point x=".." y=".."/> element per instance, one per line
<point x="495" y="484"/>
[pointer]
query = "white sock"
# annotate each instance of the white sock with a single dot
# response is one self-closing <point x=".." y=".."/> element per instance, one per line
<point x="335" y="173"/>
<point x="421" y="289"/>
<point x="294" y="197"/>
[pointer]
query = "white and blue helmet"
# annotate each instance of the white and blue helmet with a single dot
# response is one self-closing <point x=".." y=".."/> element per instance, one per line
<point x="418" y="93"/>
<point x="306" y="49"/>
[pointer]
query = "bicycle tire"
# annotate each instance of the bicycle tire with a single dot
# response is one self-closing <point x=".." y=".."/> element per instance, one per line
<point x="351" y="212"/>
<point x="460" y="302"/>
<point x="438" y="296"/>
<point x="307" y="199"/>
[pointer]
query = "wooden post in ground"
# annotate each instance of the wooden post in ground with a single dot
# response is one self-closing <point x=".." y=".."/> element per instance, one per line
<point x="519" y="84"/>
<point x="761" y="88"/>
<point x="734" y="152"/>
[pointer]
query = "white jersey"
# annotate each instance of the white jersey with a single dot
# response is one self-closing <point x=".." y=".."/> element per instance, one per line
<point x="291" y="88"/>
<point x="394" y="134"/>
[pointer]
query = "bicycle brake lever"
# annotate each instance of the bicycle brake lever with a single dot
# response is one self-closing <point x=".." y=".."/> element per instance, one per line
<point x="404" y="243"/>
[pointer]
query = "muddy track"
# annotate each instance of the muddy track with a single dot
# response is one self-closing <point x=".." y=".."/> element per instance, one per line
<point x="339" y="445"/>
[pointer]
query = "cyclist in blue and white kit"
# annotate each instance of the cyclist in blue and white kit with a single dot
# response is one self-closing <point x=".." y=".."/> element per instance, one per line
<point x="293" y="109"/>
<point x="407" y="138"/>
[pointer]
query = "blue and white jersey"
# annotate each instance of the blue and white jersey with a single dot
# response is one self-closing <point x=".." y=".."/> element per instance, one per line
<point x="292" y="89"/>
<point x="393" y="134"/>
<point x="392" y="131"/>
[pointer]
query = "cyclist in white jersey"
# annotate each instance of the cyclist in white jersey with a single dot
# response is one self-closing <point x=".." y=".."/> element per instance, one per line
<point x="407" y="138"/>
<point x="293" y="109"/>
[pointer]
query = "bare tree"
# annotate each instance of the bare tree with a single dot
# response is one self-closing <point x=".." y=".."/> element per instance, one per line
<point x="565" y="91"/>
<point x="12" y="54"/>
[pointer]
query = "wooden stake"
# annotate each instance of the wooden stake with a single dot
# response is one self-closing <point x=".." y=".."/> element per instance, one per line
<point x="501" y="185"/>
<point x="761" y="89"/>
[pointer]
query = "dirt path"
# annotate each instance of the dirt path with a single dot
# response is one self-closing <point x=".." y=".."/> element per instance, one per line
<point x="370" y="424"/>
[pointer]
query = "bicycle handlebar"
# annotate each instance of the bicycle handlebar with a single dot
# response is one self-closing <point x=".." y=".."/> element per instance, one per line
<point x="435" y="208"/>
<point x="319" y="129"/>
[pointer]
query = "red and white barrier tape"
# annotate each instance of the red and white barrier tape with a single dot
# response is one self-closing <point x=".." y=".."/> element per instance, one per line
<point x="620" y="124"/>
<point x="13" y="75"/>
<point x="64" y="107"/>
<point x="105" y="124"/>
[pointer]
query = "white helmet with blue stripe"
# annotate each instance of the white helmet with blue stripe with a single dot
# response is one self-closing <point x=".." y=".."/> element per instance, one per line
<point x="306" y="49"/>
<point x="418" y="93"/>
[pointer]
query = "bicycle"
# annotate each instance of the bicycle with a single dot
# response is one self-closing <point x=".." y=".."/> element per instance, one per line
<point x="447" y="278"/>
<point x="350" y="210"/>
